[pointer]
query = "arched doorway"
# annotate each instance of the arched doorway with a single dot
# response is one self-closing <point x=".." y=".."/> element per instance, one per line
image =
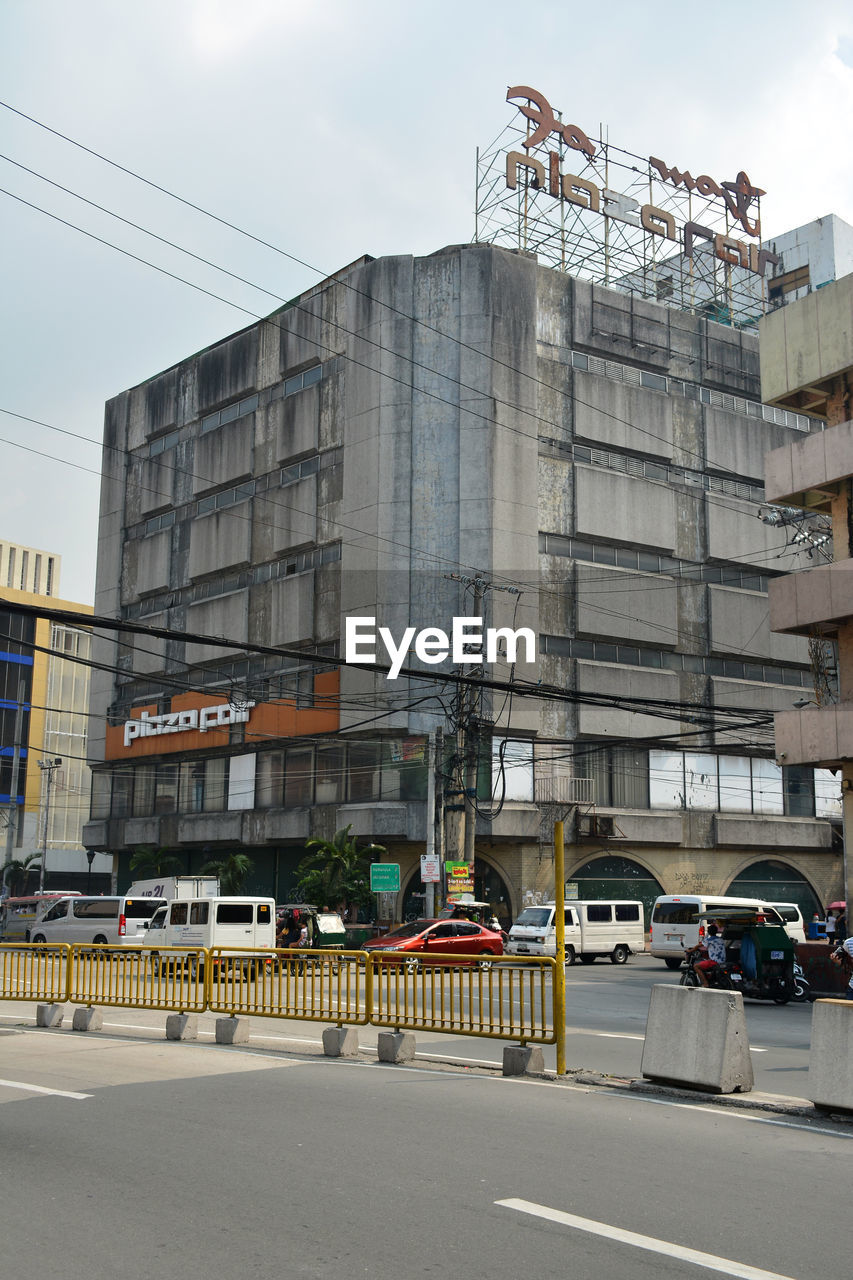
<point x="775" y="881"/>
<point x="614" y="877"/>
<point x="489" y="886"/>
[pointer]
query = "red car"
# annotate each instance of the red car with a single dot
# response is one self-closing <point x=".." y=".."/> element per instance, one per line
<point x="451" y="937"/>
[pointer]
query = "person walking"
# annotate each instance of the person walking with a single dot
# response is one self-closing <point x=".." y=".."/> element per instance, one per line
<point x="830" y="927"/>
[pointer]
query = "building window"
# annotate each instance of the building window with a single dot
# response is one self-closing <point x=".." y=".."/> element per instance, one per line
<point x="798" y="791"/>
<point x="620" y="776"/>
<point x="365" y="772"/>
<point x="299" y="777"/>
<point x="269" y="780"/>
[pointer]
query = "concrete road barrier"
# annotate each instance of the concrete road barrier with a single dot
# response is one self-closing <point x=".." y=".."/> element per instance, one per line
<point x="698" y="1039"/>
<point x="830" y="1080"/>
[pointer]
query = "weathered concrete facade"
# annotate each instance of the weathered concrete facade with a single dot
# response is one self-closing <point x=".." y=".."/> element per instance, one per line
<point x="594" y="460"/>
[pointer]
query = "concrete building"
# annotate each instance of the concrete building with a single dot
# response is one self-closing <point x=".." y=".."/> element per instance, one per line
<point x="807" y="360"/>
<point x="405" y="440"/>
<point x="44" y="687"/>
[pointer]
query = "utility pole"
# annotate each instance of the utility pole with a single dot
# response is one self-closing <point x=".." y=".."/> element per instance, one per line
<point x="49" y="767"/>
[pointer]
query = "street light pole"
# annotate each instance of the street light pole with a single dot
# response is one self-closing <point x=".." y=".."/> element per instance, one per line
<point x="49" y="767"/>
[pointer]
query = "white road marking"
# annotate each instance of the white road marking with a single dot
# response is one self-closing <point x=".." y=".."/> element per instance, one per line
<point x="40" y="1088"/>
<point x="666" y="1247"/>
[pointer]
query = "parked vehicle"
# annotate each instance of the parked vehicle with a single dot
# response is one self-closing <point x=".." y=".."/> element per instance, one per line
<point x="675" y="924"/>
<point x="169" y="887"/>
<point x="596" y="928"/>
<point x="19" y="915"/>
<point x="802" y="986"/>
<point x="119" y="920"/>
<point x="792" y="918"/>
<point x="224" y="922"/>
<point x="418" y="938"/>
<point x="759" y="957"/>
<point x="324" y="930"/>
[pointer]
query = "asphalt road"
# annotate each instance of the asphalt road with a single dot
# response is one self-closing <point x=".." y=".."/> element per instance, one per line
<point x="127" y="1157"/>
<point x="606" y="1010"/>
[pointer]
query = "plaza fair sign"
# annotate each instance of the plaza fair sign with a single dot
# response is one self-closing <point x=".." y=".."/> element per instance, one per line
<point x="738" y="196"/>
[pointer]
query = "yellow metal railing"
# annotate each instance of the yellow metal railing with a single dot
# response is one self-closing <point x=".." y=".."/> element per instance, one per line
<point x="34" y="972"/>
<point x="137" y="978"/>
<point x="505" y="998"/>
<point x="319" y="986"/>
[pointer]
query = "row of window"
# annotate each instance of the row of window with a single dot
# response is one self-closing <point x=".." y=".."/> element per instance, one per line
<point x="636" y="778"/>
<point x="727" y="575"/>
<point x="633" y="655"/>
<point x="645" y="469"/>
<point x="690" y="390"/>
<point x="285" y="567"/>
<point x="370" y="771"/>
<point x="241" y="408"/>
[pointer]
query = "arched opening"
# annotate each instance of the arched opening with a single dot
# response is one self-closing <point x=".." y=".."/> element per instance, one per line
<point x="614" y="877"/>
<point x="775" y="881"/>
<point x="489" y="886"/>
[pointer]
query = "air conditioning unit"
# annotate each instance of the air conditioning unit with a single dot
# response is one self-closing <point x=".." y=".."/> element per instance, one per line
<point x="595" y="826"/>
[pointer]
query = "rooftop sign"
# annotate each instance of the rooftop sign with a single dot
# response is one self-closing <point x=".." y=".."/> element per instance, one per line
<point x="637" y="223"/>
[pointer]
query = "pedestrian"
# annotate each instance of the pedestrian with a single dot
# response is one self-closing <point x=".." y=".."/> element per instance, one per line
<point x="844" y="955"/>
<point x="830" y="927"/>
<point x="841" y="926"/>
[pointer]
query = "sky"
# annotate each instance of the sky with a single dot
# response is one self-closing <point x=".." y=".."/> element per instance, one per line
<point x="328" y="130"/>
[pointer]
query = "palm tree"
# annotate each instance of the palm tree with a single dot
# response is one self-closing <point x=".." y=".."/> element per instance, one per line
<point x="232" y="872"/>
<point x="17" y="870"/>
<point x="337" y="873"/>
<point x="153" y="862"/>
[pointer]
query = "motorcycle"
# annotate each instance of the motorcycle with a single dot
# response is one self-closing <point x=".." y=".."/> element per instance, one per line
<point x="730" y="977"/>
<point x="802" y="986"/>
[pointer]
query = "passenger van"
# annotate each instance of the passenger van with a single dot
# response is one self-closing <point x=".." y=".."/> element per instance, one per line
<point x="234" y="922"/>
<point x="120" y="921"/>
<point x="614" y="929"/>
<point x="19" y="915"/>
<point x="675" y="922"/>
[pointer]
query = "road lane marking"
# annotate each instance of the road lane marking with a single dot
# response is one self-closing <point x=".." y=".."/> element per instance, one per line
<point x="40" y="1088"/>
<point x="666" y="1247"/>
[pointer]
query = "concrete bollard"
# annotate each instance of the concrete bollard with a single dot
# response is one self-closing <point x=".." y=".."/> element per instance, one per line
<point x="232" y="1030"/>
<point x="523" y="1060"/>
<point x="340" y="1042"/>
<point x="87" y="1019"/>
<point x="396" y="1046"/>
<point x="698" y="1038"/>
<point x="830" y="1079"/>
<point x="49" y="1015"/>
<point x="182" y="1026"/>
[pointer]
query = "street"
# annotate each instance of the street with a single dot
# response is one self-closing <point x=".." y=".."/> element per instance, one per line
<point x="157" y="1158"/>
<point x="606" y="1010"/>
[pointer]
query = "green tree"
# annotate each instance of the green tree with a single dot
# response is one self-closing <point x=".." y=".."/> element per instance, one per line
<point x="16" y="872"/>
<point x="336" y="873"/>
<point x="232" y="872"/>
<point x="149" y="862"/>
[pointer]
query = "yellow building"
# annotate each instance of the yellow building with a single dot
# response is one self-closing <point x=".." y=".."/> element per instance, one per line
<point x="44" y="691"/>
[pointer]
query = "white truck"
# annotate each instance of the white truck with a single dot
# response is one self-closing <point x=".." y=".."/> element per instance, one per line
<point x="170" y="887"/>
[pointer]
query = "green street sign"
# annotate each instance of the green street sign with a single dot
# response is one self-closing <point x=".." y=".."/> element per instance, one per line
<point x="385" y="877"/>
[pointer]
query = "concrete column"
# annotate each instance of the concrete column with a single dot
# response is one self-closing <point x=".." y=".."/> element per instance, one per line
<point x="183" y="1026"/>
<point x="396" y="1046"/>
<point x="49" y="1015"/>
<point x="523" y="1060"/>
<point x="232" y="1030"/>
<point x="340" y="1042"/>
<point x="87" y="1019"/>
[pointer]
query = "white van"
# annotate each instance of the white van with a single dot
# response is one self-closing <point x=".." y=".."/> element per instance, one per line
<point x="234" y="922"/>
<point x="792" y="917"/>
<point x="675" y="921"/>
<point x="614" y="929"/>
<point x="120" y="921"/>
